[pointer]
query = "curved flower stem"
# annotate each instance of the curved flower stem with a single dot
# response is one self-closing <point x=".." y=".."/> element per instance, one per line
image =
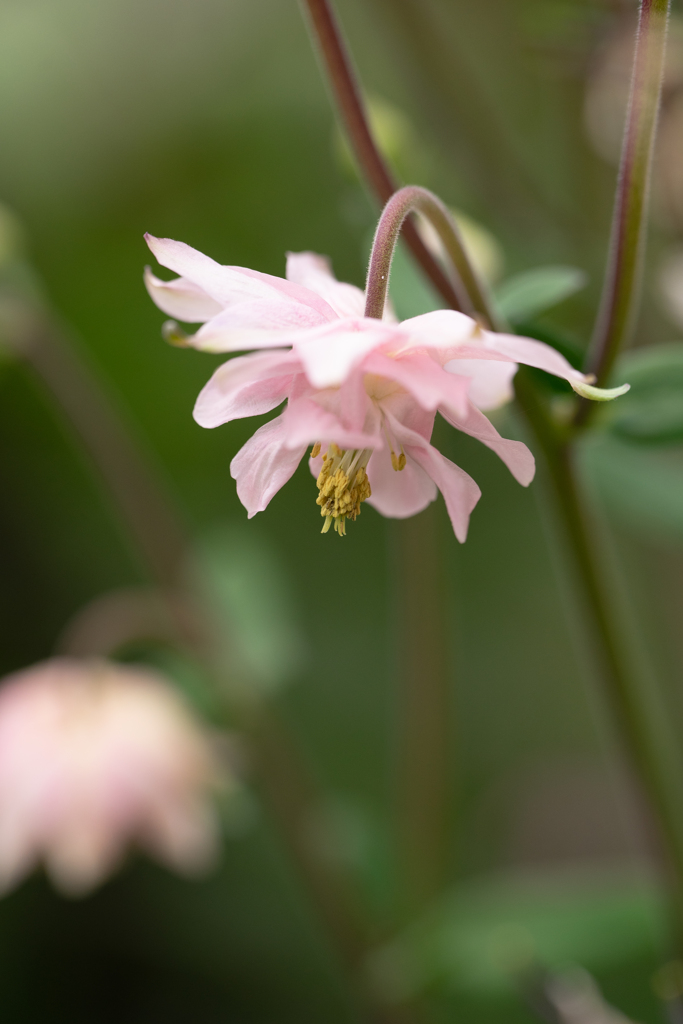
<point x="471" y="293"/>
<point x="621" y="288"/>
<point x="336" y="64"/>
<point x="626" y="692"/>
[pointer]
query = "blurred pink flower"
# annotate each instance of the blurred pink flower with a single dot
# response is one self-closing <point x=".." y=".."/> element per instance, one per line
<point x="365" y="390"/>
<point x="94" y="756"/>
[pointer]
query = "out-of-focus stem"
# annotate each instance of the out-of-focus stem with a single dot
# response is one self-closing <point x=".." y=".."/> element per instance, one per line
<point x="425" y="718"/>
<point x="624" y="689"/>
<point x="472" y="297"/>
<point x="146" y="514"/>
<point x="621" y="288"/>
<point x="144" y="510"/>
<point x="646" y="745"/>
<point x="338" y="71"/>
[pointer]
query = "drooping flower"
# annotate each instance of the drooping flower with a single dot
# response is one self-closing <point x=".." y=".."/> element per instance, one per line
<point x="94" y="757"/>
<point x="363" y="392"/>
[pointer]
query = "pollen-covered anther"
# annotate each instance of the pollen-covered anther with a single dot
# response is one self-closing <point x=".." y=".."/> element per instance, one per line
<point x="343" y="485"/>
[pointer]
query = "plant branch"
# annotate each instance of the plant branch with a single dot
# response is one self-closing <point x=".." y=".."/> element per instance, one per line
<point x="472" y="296"/>
<point x="338" y="71"/>
<point x="622" y="284"/>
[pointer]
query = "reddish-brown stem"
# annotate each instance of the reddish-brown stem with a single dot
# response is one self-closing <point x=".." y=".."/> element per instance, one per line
<point x="621" y="289"/>
<point x="340" y="74"/>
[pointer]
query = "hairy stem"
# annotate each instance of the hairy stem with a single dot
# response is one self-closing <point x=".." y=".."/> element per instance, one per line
<point x="472" y="297"/>
<point x="338" y="71"/>
<point x="621" y="288"/>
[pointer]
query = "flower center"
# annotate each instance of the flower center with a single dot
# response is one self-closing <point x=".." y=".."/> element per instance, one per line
<point x="342" y="484"/>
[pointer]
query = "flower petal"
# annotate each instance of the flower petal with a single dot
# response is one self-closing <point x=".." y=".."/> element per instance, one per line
<point x="459" y="490"/>
<point x="181" y="298"/>
<point x="256" y="324"/>
<point x="314" y="272"/>
<point x="423" y="378"/>
<point x="442" y="328"/>
<point x="398" y="495"/>
<point x="491" y="380"/>
<point x="306" y="421"/>
<point x="231" y="285"/>
<point x="329" y="353"/>
<point x="514" y="454"/>
<point x="246" y="386"/>
<point x="532" y="353"/>
<point x="264" y="465"/>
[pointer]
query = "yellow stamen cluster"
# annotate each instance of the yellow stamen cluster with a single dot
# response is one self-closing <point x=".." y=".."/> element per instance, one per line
<point x="343" y="485"/>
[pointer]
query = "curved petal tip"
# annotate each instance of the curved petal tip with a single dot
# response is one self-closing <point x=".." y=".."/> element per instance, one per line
<point x="598" y="394"/>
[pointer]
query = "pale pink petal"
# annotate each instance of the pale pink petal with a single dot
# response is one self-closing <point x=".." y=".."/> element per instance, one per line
<point x="442" y="328"/>
<point x="329" y="353"/>
<point x="246" y="386"/>
<point x="264" y="465"/>
<point x="491" y="380"/>
<point x="256" y="324"/>
<point x="423" y="378"/>
<point x="181" y="299"/>
<point x="402" y="494"/>
<point x="314" y="272"/>
<point x="231" y="285"/>
<point x="459" y="490"/>
<point x="514" y="454"/>
<point x="305" y="421"/>
<point x="532" y="353"/>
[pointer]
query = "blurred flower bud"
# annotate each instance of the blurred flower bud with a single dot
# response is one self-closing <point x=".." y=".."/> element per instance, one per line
<point x="671" y="285"/>
<point x="396" y="137"/>
<point x="482" y="247"/>
<point x="93" y="757"/>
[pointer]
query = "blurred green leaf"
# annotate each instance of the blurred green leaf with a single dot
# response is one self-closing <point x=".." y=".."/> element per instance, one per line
<point x="249" y="610"/>
<point x="524" y="295"/>
<point x="642" y="486"/>
<point x="652" y="413"/>
<point x="484" y="934"/>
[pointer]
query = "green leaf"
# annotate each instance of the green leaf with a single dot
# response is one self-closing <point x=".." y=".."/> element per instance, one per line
<point x="653" y="412"/>
<point x="249" y="611"/>
<point x="485" y="933"/>
<point x="524" y="295"/>
<point x="642" y="486"/>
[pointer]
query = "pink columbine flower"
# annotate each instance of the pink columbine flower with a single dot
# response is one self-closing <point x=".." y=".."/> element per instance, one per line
<point x="363" y="392"/>
<point x="93" y="757"/>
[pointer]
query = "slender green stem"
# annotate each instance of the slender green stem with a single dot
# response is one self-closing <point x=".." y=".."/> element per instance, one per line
<point x="646" y="743"/>
<point x="621" y="288"/>
<point x="338" y="71"/>
<point x="472" y="297"/>
<point x="624" y="689"/>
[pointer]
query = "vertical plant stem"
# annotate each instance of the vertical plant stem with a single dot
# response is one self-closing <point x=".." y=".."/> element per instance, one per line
<point x="646" y="744"/>
<point x="338" y="71"/>
<point x="623" y="688"/>
<point x="621" y="288"/>
<point x="425" y="710"/>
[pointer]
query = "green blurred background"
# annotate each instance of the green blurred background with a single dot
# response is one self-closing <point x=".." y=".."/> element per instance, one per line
<point x="208" y="121"/>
